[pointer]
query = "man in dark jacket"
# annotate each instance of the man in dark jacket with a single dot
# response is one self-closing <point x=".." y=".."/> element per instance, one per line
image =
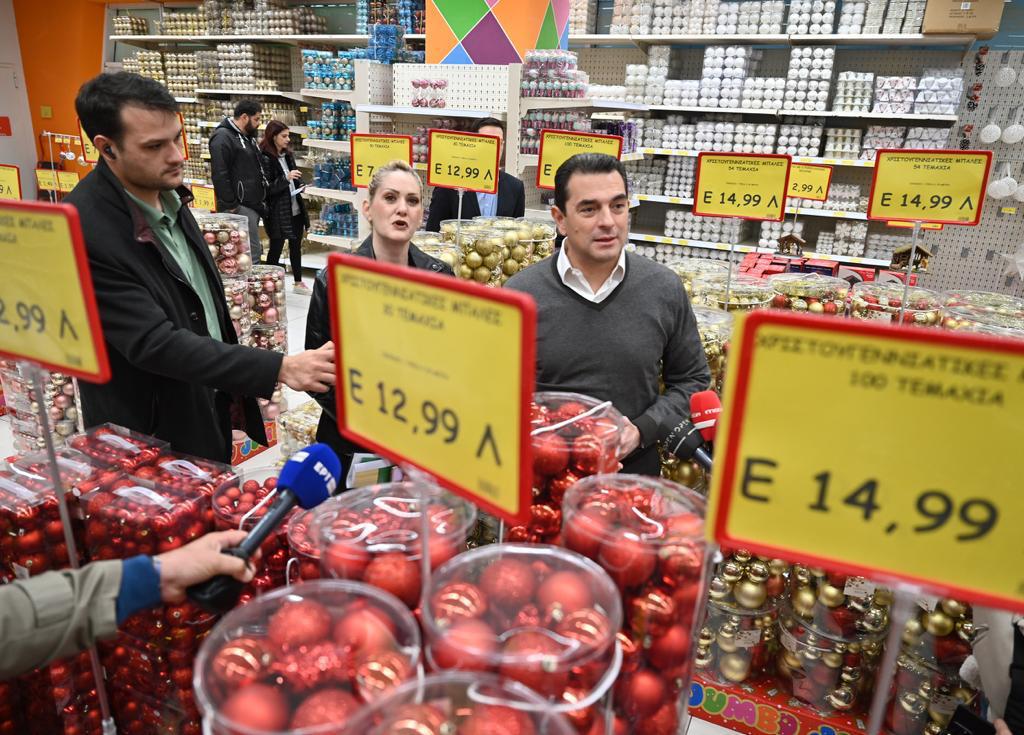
<point x="509" y="201"/>
<point x="238" y="180"/>
<point x="318" y="333"/>
<point x="177" y="370"/>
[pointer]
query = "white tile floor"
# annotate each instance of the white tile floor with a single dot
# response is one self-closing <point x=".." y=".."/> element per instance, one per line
<point x="297" y="307"/>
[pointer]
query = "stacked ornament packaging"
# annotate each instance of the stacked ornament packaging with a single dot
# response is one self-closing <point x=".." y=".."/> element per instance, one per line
<point x="303" y="658"/>
<point x="742" y="292"/>
<point x="772" y="231"/>
<point x="296" y="428"/>
<point x="809" y="78"/>
<point x="59" y="400"/>
<point x="810" y="292"/>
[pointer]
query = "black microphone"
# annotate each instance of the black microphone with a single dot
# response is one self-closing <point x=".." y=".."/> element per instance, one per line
<point x="307" y="479"/>
<point x="683" y="441"/>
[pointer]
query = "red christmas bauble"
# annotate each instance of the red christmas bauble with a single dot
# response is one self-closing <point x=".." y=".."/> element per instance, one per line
<point x="663" y="722"/>
<point x="545" y="519"/>
<point x="566" y="412"/>
<point x="650" y="613"/>
<point x="457" y="600"/>
<point x="379" y="672"/>
<point x="469" y="645"/>
<point x="257" y="707"/>
<point x="591" y="456"/>
<point x="396" y="573"/>
<point x="300" y="623"/>
<point x="550" y="453"/>
<point x="508" y="583"/>
<point x="343" y="560"/>
<point x="588" y="626"/>
<point x="494" y="719"/>
<point x="326" y="707"/>
<point x="631" y="652"/>
<point x="531" y="658"/>
<point x="628" y="560"/>
<point x="681" y="560"/>
<point x="585" y="532"/>
<point x="564" y="591"/>
<point x="641" y="694"/>
<point x="560" y="485"/>
<point x="313" y="666"/>
<point x="363" y="628"/>
<point x="671" y="649"/>
<point x="414" y="719"/>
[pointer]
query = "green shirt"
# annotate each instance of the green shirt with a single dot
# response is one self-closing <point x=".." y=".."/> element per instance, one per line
<point x="171" y="236"/>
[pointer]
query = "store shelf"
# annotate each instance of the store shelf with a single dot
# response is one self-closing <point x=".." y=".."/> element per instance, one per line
<point x="601" y="39"/>
<point x="530" y="159"/>
<point x="185" y="100"/>
<point x="796" y="159"/>
<point x="884" y="39"/>
<point x="663" y="199"/>
<point x="554" y="103"/>
<point x="717" y="110"/>
<point x="428" y="111"/>
<point x="246" y="93"/>
<point x="831" y="213"/>
<point x="871" y="115"/>
<point x="783" y="39"/>
<point x="196" y="182"/>
<point x="704" y="40"/>
<point x="330" y="39"/>
<point x="662" y="240"/>
<point x="339" y="146"/>
<point x="850" y="259"/>
<point x="342" y="243"/>
<point x="335" y="194"/>
<point x="345" y="95"/>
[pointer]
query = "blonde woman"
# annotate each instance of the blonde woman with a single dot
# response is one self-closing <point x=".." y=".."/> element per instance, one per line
<point x="395" y="211"/>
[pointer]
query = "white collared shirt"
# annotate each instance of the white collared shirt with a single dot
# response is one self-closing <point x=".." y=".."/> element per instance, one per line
<point x="573" y="277"/>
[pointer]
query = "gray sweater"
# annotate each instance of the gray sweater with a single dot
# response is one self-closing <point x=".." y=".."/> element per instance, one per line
<point x="615" y="350"/>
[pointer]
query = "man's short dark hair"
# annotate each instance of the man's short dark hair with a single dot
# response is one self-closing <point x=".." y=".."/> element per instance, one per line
<point x="101" y="99"/>
<point x="585" y="163"/>
<point x="247" y="107"/>
<point x="487" y="122"/>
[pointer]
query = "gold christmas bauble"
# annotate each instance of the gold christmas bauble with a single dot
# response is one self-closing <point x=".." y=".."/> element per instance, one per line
<point x="726" y="639"/>
<point x="911" y="704"/>
<point x="735" y="667"/>
<point x="474" y="259"/>
<point x="791" y="660"/>
<point x="933" y="728"/>
<point x="938" y="623"/>
<point x="706" y="638"/>
<point x="758" y="571"/>
<point x="718" y="590"/>
<point x="875" y="619"/>
<point x="741" y="555"/>
<point x="750" y="594"/>
<point x="803" y="602"/>
<point x="954" y="608"/>
<point x="778" y="567"/>
<point x="842" y="698"/>
<point x="912" y="632"/>
<point x="830" y="596"/>
<point x="704" y="657"/>
<point x="832" y="659"/>
<point x="731" y="572"/>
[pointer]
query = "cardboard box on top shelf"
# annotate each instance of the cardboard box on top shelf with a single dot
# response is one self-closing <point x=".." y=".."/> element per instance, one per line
<point x="978" y="17"/>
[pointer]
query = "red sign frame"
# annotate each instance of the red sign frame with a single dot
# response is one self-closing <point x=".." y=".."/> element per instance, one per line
<point x="785" y="188"/>
<point x="540" y="151"/>
<point x="728" y="467"/>
<point x="88" y="292"/>
<point x="981" y="196"/>
<point x="353" y="136"/>
<point x="430" y="158"/>
<point x="528" y="367"/>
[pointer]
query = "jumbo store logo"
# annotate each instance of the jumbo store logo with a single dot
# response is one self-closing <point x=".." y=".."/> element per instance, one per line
<point x="759" y="717"/>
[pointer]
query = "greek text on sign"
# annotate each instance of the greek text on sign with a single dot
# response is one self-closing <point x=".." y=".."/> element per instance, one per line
<point x="558" y="146"/>
<point x="740" y="185"/>
<point x="809" y="181"/>
<point x="10" y="181"/>
<point x="463" y="161"/>
<point x="47" y="307"/>
<point x="67" y="180"/>
<point x="945" y="187"/>
<point x="885" y="502"/>
<point x="46" y="179"/>
<point x="418" y="357"/>
<point x="370" y="152"/>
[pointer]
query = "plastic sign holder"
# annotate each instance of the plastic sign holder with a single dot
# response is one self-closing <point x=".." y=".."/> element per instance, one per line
<point x="204" y="197"/>
<point x="49" y="320"/>
<point x="558" y="146"/>
<point x="437" y="373"/>
<point x="862" y="505"/>
<point x="752" y="187"/>
<point x="89" y="152"/>
<point x="371" y="151"/>
<point x="10" y="181"/>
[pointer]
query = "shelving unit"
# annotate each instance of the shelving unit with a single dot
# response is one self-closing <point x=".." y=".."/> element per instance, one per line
<point x="344" y="40"/>
<point x="337" y="195"/>
<point x="784" y="39"/>
<point x="338" y="146"/>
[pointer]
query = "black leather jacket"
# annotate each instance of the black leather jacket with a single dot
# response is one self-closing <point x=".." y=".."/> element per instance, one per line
<point x="318" y="333"/>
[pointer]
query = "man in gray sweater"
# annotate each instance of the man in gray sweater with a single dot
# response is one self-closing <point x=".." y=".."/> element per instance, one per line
<point x="610" y="322"/>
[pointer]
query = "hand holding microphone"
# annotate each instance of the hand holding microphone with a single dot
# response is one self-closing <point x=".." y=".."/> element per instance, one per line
<point x="685" y="439"/>
<point x="306" y="480"/>
<point x="705" y="408"/>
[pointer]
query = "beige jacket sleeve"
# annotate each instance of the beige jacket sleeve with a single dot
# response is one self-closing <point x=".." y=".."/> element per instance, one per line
<point x="56" y="614"/>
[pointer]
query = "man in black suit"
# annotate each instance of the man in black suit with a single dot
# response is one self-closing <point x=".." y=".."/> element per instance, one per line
<point x="510" y="201"/>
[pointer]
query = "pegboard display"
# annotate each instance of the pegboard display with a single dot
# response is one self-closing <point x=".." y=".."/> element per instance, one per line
<point x="607" y="65"/>
<point x="469" y="87"/>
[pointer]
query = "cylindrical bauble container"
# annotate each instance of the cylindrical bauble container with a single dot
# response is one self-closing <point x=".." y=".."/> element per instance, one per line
<point x="882" y="301"/>
<point x="265" y="285"/>
<point x="304" y="659"/>
<point x="648" y="534"/>
<point x="688" y="269"/>
<point x="467" y="703"/>
<point x="373" y="535"/>
<point x="540" y="615"/>
<point x="573" y="436"/>
<point x="736" y="643"/>
<point x="838" y="605"/>
<point x="515" y="255"/>
<point x="227" y="236"/>
<point x="740" y="293"/>
<point x="537" y="236"/>
<point x="924" y="697"/>
<point x="981" y="320"/>
<point x="304" y="564"/>
<point x="811" y="293"/>
<point x="715" y="328"/>
<point x="236" y="296"/>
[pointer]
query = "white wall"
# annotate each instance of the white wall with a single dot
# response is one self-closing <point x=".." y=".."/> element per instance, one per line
<point x="20" y="148"/>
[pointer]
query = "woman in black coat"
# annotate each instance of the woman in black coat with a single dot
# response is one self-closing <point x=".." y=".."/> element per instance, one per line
<point x="286" y="211"/>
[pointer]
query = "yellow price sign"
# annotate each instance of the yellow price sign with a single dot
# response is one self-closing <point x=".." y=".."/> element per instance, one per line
<point x="89" y="151"/>
<point x="370" y="152"/>
<point x="47" y="305"/>
<point x="882" y="502"/>
<point x="910" y="225"/>
<point x="741" y="185"/>
<point x="10" y="181"/>
<point x="463" y="160"/>
<point x="929" y="186"/>
<point x="67" y="180"/>
<point x="46" y="179"/>
<point x="809" y="181"/>
<point x="558" y="146"/>
<point x="418" y="357"/>
<point x="204" y="198"/>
